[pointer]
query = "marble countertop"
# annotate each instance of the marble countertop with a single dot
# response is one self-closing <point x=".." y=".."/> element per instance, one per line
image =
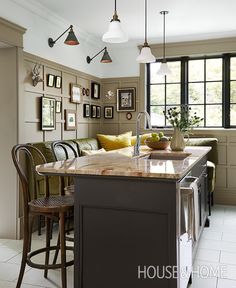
<point x="121" y="163"/>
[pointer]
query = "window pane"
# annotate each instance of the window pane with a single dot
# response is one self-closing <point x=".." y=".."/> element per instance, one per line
<point x="196" y="70"/>
<point x="172" y="94"/>
<point x="214" y="92"/>
<point x="157" y="94"/>
<point x="157" y="116"/>
<point x="175" y="69"/>
<point x="233" y="68"/>
<point x="154" y="67"/>
<point x="233" y="115"/>
<point x="196" y="93"/>
<point x="214" y="69"/>
<point x="199" y="109"/>
<point x="233" y="92"/>
<point x="213" y="115"/>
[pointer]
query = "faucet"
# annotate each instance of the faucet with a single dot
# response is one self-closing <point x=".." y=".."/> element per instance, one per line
<point x="139" y="116"/>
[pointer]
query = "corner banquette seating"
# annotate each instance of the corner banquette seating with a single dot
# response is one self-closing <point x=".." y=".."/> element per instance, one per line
<point x="93" y="144"/>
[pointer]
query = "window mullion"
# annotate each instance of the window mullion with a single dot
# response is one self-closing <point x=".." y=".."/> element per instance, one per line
<point x="226" y="91"/>
<point x="184" y="81"/>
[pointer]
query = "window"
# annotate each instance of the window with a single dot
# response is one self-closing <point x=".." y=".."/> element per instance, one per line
<point x="201" y="83"/>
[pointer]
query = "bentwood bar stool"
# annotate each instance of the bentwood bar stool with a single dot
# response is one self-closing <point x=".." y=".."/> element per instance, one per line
<point x="51" y="207"/>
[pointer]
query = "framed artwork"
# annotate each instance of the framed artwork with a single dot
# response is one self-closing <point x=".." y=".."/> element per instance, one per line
<point x="48" y="115"/>
<point x="86" y="110"/>
<point x="87" y="92"/>
<point x="126" y="99"/>
<point x="75" y="93"/>
<point x="93" y="111"/>
<point x="58" y="106"/>
<point x="95" y="90"/>
<point x="98" y="111"/>
<point x="129" y="115"/>
<point x="108" y="112"/>
<point x="70" y="119"/>
<point x="58" y="80"/>
<point x="50" y="80"/>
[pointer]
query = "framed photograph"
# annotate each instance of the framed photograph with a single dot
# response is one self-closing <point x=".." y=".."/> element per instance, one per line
<point x="129" y="115"/>
<point x="87" y="92"/>
<point x="75" y="93"/>
<point x="58" y="81"/>
<point x="95" y="90"/>
<point x="50" y="80"/>
<point x="126" y="99"/>
<point x="58" y="106"/>
<point x="70" y="119"/>
<point x="86" y="110"/>
<point x="98" y="111"/>
<point x="108" y="112"/>
<point x="93" y="111"/>
<point x="48" y="115"/>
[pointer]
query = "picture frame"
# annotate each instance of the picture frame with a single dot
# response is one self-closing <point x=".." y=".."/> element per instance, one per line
<point x="93" y="113"/>
<point x="58" y="81"/>
<point x="48" y="115"/>
<point x="86" y="111"/>
<point x="98" y="112"/>
<point x="129" y="115"/>
<point x="58" y="106"/>
<point x="108" y="112"/>
<point x="126" y="99"/>
<point x="50" y="80"/>
<point x="75" y="93"/>
<point x="70" y="119"/>
<point x="95" y="90"/>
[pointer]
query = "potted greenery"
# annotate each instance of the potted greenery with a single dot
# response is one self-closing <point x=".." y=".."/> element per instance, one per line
<point x="183" y="122"/>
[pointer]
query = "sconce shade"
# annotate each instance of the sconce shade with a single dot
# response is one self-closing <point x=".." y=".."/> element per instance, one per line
<point x="106" y="57"/>
<point x="115" y="33"/>
<point x="71" y="38"/>
<point x="164" y="69"/>
<point x="146" y="55"/>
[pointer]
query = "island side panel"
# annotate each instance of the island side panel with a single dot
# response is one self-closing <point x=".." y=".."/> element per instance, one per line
<point x="123" y="226"/>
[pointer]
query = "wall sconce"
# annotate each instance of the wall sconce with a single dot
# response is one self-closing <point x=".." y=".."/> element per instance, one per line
<point x="105" y="58"/>
<point x="70" y="39"/>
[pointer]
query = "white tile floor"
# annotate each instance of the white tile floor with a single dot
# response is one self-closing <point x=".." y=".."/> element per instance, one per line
<point x="216" y="257"/>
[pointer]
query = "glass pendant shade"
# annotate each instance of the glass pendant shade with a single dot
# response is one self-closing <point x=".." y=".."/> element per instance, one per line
<point x="164" y="70"/>
<point x="106" y="58"/>
<point x="71" y="38"/>
<point x="146" y="55"/>
<point x="115" y="33"/>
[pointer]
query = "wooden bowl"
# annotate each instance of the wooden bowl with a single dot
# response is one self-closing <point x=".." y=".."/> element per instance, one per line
<point x="159" y="145"/>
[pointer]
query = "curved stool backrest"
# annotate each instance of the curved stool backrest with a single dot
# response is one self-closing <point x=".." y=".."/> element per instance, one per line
<point x="63" y="150"/>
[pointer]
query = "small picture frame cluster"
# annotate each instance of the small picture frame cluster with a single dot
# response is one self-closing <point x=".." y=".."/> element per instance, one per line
<point x="54" y="81"/>
<point x="126" y="99"/>
<point x="92" y="111"/>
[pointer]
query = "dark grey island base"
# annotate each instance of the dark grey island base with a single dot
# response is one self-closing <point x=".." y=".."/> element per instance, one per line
<point x="127" y="226"/>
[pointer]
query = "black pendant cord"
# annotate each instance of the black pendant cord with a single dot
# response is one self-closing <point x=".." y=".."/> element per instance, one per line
<point x="145" y="33"/>
<point x="115" y="7"/>
<point x="164" y="37"/>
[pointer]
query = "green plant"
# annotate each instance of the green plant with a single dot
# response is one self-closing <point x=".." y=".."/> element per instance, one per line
<point x="182" y="118"/>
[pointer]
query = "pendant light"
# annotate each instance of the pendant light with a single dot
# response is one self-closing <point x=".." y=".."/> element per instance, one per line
<point x="145" y="55"/>
<point x="115" y="33"/>
<point x="164" y="69"/>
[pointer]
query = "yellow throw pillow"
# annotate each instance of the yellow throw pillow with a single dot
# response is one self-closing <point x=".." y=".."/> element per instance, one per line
<point x="92" y="152"/>
<point x="143" y="137"/>
<point x="112" y="142"/>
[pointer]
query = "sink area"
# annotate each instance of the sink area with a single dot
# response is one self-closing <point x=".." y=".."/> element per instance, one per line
<point x="168" y="156"/>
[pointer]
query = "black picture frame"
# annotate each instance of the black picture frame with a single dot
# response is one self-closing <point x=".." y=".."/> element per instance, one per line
<point x="126" y="99"/>
<point x="50" y="80"/>
<point x="58" y="82"/>
<point x="95" y="90"/>
<point x="108" y="112"/>
<point x="48" y="113"/>
<point x="86" y="111"/>
<point x="93" y="113"/>
<point x="58" y="106"/>
<point x="98" y="112"/>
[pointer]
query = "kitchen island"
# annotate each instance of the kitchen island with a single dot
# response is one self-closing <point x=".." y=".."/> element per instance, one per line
<point x="128" y="229"/>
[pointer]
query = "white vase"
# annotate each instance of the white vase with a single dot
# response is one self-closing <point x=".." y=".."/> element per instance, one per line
<point x="177" y="141"/>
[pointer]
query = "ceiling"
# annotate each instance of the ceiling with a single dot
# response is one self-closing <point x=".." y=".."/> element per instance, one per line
<point x="187" y="20"/>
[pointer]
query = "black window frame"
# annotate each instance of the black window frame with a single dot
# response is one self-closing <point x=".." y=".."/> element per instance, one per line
<point x="184" y="86"/>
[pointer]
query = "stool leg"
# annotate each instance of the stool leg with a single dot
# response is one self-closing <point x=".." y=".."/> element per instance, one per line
<point x="26" y="238"/>
<point x="63" y="250"/>
<point x="57" y="250"/>
<point x="48" y="235"/>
